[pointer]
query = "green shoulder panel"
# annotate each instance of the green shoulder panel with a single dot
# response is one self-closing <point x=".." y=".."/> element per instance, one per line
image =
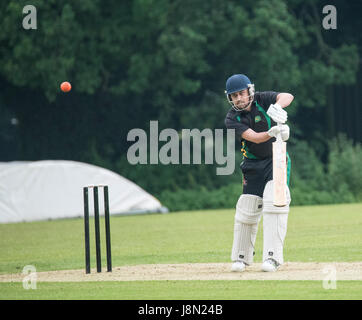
<point x="264" y="114"/>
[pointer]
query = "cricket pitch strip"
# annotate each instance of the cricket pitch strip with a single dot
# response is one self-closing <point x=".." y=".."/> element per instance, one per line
<point x="202" y="271"/>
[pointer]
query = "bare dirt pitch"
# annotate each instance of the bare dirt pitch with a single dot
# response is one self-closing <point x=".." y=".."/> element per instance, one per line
<point x="204" y="271"/>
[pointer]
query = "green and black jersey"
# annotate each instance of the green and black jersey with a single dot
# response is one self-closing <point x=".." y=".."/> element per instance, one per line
<point x="257" y="120"/>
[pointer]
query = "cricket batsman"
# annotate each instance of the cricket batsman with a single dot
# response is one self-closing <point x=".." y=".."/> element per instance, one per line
<point x="254" y="116"/>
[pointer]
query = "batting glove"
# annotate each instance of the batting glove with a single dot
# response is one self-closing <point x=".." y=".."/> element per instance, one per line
<point x="277" y="113"/>
<point x="283" y="130"/>
<point x="274" y="131"/>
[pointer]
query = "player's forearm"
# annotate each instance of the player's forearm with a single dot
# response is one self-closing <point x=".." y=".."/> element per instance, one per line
<point x="262" y="137"/>
<point x="284" y="99"/>
<point x="256" y="137"/>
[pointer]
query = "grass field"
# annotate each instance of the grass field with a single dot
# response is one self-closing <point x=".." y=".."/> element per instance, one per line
<point x="315" y="234"/>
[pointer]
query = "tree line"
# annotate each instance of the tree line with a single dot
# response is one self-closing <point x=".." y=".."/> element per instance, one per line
<point x="134" y="61"/>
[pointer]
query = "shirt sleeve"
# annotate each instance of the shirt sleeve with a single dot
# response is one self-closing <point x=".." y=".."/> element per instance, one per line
<point x="239" y="126"/>
<point x="267" y="98"/>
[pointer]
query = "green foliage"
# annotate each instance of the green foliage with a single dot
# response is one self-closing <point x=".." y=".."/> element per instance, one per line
<point x="202" y="198"/>
<point x="62" y="48"/>
<point x="165" y="180"/>
<point x="306" y="166"/>
<point x="344" y="166"/>
<point x="170" y="52"/>
<point x="271" y="21"/>
<point x="339" y="181"/>
<point x="133" y="61"/>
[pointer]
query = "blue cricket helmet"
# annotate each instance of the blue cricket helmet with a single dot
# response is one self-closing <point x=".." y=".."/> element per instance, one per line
<point x="239" y="82"/>
<point x="236" y="83"/>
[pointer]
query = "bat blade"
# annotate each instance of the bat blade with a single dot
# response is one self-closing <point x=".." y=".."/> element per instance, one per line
<point x="280" y="173"/>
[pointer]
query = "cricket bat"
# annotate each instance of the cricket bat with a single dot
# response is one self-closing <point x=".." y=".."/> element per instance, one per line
<point x="280" y="171"/>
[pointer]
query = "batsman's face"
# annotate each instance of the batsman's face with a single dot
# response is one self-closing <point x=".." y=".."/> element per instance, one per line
<point x="240" y="99"/>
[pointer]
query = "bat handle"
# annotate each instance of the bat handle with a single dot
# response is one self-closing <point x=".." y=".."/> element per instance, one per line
<point x="279" y="136"/>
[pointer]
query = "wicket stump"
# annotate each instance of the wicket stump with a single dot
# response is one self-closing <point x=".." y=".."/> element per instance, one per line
<point x="96" y="227"/>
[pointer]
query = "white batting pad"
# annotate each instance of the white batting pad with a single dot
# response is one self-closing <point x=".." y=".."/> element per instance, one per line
<point x="275" y="230"/>
<point x="275" y="221"/>
<point x="248" y="208"/>
<point x="268" y="195"/>
<point x="244" y="241"/>
<point x="248" y="212"/>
